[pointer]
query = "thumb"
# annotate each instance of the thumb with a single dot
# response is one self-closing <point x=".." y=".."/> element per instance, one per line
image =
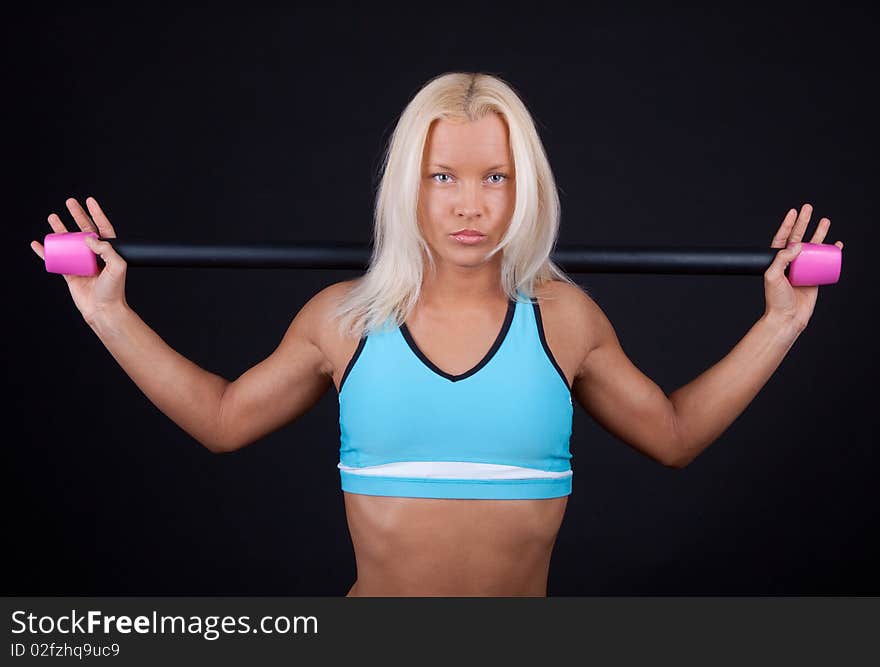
<point x="783" y="258"/>
<point x="106" y="252"/>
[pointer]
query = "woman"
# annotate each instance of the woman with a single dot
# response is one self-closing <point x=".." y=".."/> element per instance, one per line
<point x="455" y="357"/>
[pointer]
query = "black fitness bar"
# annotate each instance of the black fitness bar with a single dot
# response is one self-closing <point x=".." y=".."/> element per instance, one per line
<point x="750" y="260"/>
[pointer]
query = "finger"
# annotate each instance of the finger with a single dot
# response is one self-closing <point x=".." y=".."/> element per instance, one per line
<point x="839" y="244"/>
<point x="821" y="231"/>
<point x="105" y="229"/>
<point x="784" y="229"/>
<point x="41" y="252"/>
<point x="800" y="226"/>
<point x="56" y="224"/>
<point x="783" y="258"/>
<point x="80" y="216"/>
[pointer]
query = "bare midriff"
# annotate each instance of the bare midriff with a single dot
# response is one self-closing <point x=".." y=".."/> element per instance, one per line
<point x="452" y="547"/>
<point x="455" y="547"/>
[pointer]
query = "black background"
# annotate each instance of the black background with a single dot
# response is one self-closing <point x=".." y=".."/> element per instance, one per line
<point x="698" y="126"/>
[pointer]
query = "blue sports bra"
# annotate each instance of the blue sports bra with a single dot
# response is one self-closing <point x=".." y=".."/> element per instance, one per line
<point x="499" y="430"/>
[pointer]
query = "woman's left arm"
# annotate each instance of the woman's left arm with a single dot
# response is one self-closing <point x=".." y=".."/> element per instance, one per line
<point x="705" y="407"/>
<point x="674" y="429"/>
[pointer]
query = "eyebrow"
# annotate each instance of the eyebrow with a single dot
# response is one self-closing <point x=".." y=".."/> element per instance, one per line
<point x="497" y="166"/>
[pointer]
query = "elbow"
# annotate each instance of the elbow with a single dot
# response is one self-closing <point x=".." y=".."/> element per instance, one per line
<point x="679" y="456"/>
<point x="676" y="453"/>
<point x="219" y="440"/>
<point x="676" y="462"/>
<point x="219" y="447"/>
<point x="213" y="448"/>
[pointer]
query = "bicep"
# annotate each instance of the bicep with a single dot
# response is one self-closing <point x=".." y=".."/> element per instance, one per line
<point x="622" y="399"/>
<point x="280" y="388"/>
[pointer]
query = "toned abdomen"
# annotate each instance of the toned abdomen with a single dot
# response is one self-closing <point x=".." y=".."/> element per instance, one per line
<point x="452" y="547"/>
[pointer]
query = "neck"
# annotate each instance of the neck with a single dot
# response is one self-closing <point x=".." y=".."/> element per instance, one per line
<point x="457" y="288"/>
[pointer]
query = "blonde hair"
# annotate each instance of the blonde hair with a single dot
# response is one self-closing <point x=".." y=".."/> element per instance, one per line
<point x="391" y="285"/>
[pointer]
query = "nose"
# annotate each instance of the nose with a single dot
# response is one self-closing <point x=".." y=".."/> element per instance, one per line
<point x="469" y="205"/>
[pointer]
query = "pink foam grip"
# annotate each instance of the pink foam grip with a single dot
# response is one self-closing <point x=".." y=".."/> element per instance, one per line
<point x="68" y="253"/>
<point x="816" y="264"/>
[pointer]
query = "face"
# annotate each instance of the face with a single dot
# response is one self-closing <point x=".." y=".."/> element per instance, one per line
<point x="467" y="183"/>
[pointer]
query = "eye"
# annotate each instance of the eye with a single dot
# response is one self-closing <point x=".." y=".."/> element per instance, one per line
<point x="496" y="182"/>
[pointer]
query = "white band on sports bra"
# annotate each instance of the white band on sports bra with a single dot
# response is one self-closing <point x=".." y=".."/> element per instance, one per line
<point x="453" y="470"/>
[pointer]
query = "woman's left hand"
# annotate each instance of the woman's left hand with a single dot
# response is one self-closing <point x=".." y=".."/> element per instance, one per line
<point x="794" y="304"/>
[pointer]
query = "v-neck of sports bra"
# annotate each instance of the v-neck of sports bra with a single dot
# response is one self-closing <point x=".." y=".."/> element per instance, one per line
<point x="499" y="339"/>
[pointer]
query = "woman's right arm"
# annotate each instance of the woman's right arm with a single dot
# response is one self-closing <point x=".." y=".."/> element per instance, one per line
<point x="219" y="414"/>
<point x="186" y="393"/>
<point x="222" y="415"/>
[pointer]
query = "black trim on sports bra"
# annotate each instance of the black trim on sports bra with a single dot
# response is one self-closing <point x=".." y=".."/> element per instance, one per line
<point x="544" y="342"/>
<point x="499" y="339"/>
<point x="354" y="357"/>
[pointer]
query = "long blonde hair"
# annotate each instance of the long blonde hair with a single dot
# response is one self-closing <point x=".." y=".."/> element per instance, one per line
<point x="391" y="285"/>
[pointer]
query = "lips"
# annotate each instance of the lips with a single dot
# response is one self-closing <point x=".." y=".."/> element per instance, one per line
<point x="466" y="238"/>
<point x="467" y="232"/>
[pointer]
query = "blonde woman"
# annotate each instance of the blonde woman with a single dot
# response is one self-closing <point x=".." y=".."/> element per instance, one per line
<point x="455" y="357"/>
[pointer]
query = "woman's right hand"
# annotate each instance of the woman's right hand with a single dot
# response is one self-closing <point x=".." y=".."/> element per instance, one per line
<point x="106" y="290"/>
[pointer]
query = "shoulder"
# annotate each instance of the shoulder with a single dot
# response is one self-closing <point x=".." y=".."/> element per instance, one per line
<point x="319" y="310"/>
<point x="330" y="295"/>
<point x="316" y="323"/>
<point x="569" y="301"/>
<point x="576" y="312"/>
